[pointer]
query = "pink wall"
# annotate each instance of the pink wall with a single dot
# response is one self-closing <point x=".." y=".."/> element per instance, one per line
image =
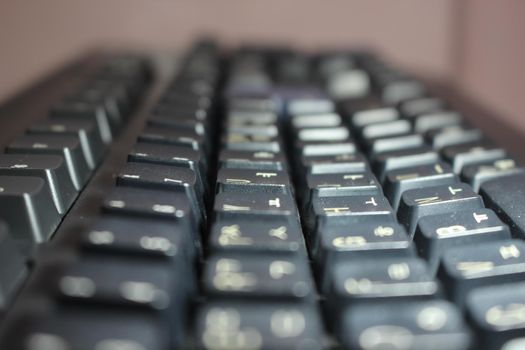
<point x="492" y="64"/>
<point x="478" y="43"/>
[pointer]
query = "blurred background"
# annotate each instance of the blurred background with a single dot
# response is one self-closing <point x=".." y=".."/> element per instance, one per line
<point x="476" y="44"/>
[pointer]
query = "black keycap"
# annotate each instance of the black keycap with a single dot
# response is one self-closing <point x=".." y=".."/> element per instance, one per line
<point x="172" y="136"/>
<point x="346" y="210"/>
<point x="170" y="155"/>
<point x="423" y="105"/>
<point x="121" y="282"/>
<point x="395" y="143"/>
<point x="90" y="140"/>
<point x="335" y="134"/>
<point x="400" y="180"/>
<point x="393" y="128"/>
<point x="442" y="199"/>
<point x="85" y="111"/>
<point x="378" y="281"/>
<point x="68" y="147"/>
<point x="421" y="325"/>
<point x="27" y="206"/>
<point x="473" y="153"/>
<point x="482" y="264"/>
<point x="227" y="325"/>
<point x="66" y="329"/>
<point x="403" y="159"/>
<point x="452" y="135"/>
<point x="336" y="185"/>
<point x="316" y="120"/>
<point x="250" y="117"/>
<point x="13" y="269"/>
<point x="139" y="202"/>
<point x="188" y="123"/>
<point x="243" y="143"/>
<point x="166" y="178"/>
<point x="504" y="196"/>
<point x="362" y="241"/>
<point x="341" y="163"/>
<point x="252" y="181"/>
<point x="477" y="174"/>
<point x="437" y="233"/>
<point x="364" y="117"/>
<point x="140" y="237"/>
<point x="325" y="148"/>
<point x="258" y="276"/>
<point x="52" y="169"/>
<point x="252" y="160"/>
<point x="263" y="130"/>
<point x="257" y="236"/>
<point x="262" y="205"/>
<point x="497" y="316"/>
<point x="436" y="120"/>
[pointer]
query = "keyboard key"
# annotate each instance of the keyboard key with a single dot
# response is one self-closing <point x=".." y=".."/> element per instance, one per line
<point x="452" y="135"/>
<point x="13" y="269"/>
<point x="316" y="120"/>
<point x="364" y="241"/>
<point x="364" y="117"/>
<point x="90" y="140"/>
<point x="85" y="111"/>
<point x="257" y="236"/>
<point x="279" y="325"/>
<point x="474" y="153"/>
<point x="395" y="143"/>
<point x="377" y="281"/>
<point x="172" y="136"/>
<point x="436" y="120"/>
<point x="347" y="210"/>
<point x="337" y="185"/>
<point x="504" y="196"/>
<point x="393" y="128"/>
<point x="252" y="181"/>
<point x="139" y="202"/>
<point x="482" y="264"/>
<point x="164" y="177"/>
<point x="68" y="147"/>
<point x="261" y="205"/>
<point x="140" y="237"/>
<point x="28" y="208"/>
<point x="421" y="325"/>
<point x="324" y="134"/>
<point x="478" y="174"/>
<point x="170" y="155"/>
<point x="261" y="276"/>
<point x="400" y="180"/>
<point x="403" y="159"/>
<point x="116" y="281"/>
<point x="437" y="233"/>
<point x="66" y="329"/>
<point x="329" y="164"/>
<point x="442" y="199"/>
<point x="423" y="105"/>
<point x="497" y="315"/>
<point x="252" y="160"/>
<point x="51" y="169"/>
<point x="315" y="149"/>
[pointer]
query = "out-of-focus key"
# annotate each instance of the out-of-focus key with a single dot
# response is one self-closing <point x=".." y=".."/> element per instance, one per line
<point x="437" y="233"/>
<point x="68" y="147"/>
<point x="52" y="169"/>
<point x="13" y="269"/>
<point x="482" y="264"/>
<point x="406" y="325"/>
<point x="478" y="174"/>
<point x="26" y="205"/>
<point x="418" y="203"/>
<point x="268" y="325"/>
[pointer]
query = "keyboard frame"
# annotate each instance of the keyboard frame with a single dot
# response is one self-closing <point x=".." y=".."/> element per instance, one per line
<point x="33" y="102"/>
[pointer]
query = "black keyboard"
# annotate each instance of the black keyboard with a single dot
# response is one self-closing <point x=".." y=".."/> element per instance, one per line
<point x="257" y="198"/>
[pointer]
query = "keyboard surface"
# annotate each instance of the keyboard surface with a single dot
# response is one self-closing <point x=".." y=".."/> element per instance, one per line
<point x="257" y="198"/>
